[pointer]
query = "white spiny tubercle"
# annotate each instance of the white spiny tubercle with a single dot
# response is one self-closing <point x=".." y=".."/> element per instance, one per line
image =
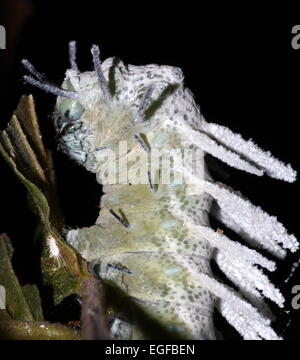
<point x="244" y="317"/>
<point x="256" y="223"/>
<point x="226" y="245"/>
<point x="249" y="277"/>
<point x="236" y="277"/>
<point x="272" y="166"/>
<point x="217" y="150"/>
<point x="225" y="218"/>
<point x="247" y="290"/>
<point x="239" y="261"/>
<point x="249" y="329"/>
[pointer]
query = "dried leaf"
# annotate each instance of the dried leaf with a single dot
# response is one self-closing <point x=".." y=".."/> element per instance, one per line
<point x="22" y="148"/>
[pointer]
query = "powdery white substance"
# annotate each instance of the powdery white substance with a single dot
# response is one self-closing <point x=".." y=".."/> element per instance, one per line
<point x="162" y="241"/>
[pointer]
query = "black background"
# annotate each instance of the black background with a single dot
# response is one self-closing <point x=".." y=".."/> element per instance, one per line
<point x="238" y="62"/>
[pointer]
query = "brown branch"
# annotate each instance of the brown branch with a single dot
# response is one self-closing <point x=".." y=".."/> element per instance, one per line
<point x="94" y="323"/>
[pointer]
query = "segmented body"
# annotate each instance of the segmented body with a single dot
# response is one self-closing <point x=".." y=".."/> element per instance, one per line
<point x="152" y="239"/>
<point x="158" y="248"/>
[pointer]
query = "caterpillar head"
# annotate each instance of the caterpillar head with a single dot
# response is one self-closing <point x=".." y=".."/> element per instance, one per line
<point x="97" y="110"/>
<point x="92" y="122"/>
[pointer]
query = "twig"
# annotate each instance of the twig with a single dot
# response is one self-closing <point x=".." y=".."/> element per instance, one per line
<point x="94" y="323"/>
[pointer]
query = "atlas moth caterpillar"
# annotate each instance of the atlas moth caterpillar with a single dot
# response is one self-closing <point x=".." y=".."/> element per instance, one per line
<point x="154" y="241"/>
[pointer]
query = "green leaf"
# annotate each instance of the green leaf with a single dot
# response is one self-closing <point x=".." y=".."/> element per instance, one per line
<point x="16" y="304"/>
<point x="33" y="299"/>
<point x="22" y="330"/>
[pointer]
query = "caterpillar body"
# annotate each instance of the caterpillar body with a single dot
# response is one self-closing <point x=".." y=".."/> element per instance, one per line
<point x="152" y="239"/>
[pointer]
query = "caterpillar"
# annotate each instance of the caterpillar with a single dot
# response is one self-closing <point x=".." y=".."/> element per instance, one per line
<point x="152" y="240"/>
